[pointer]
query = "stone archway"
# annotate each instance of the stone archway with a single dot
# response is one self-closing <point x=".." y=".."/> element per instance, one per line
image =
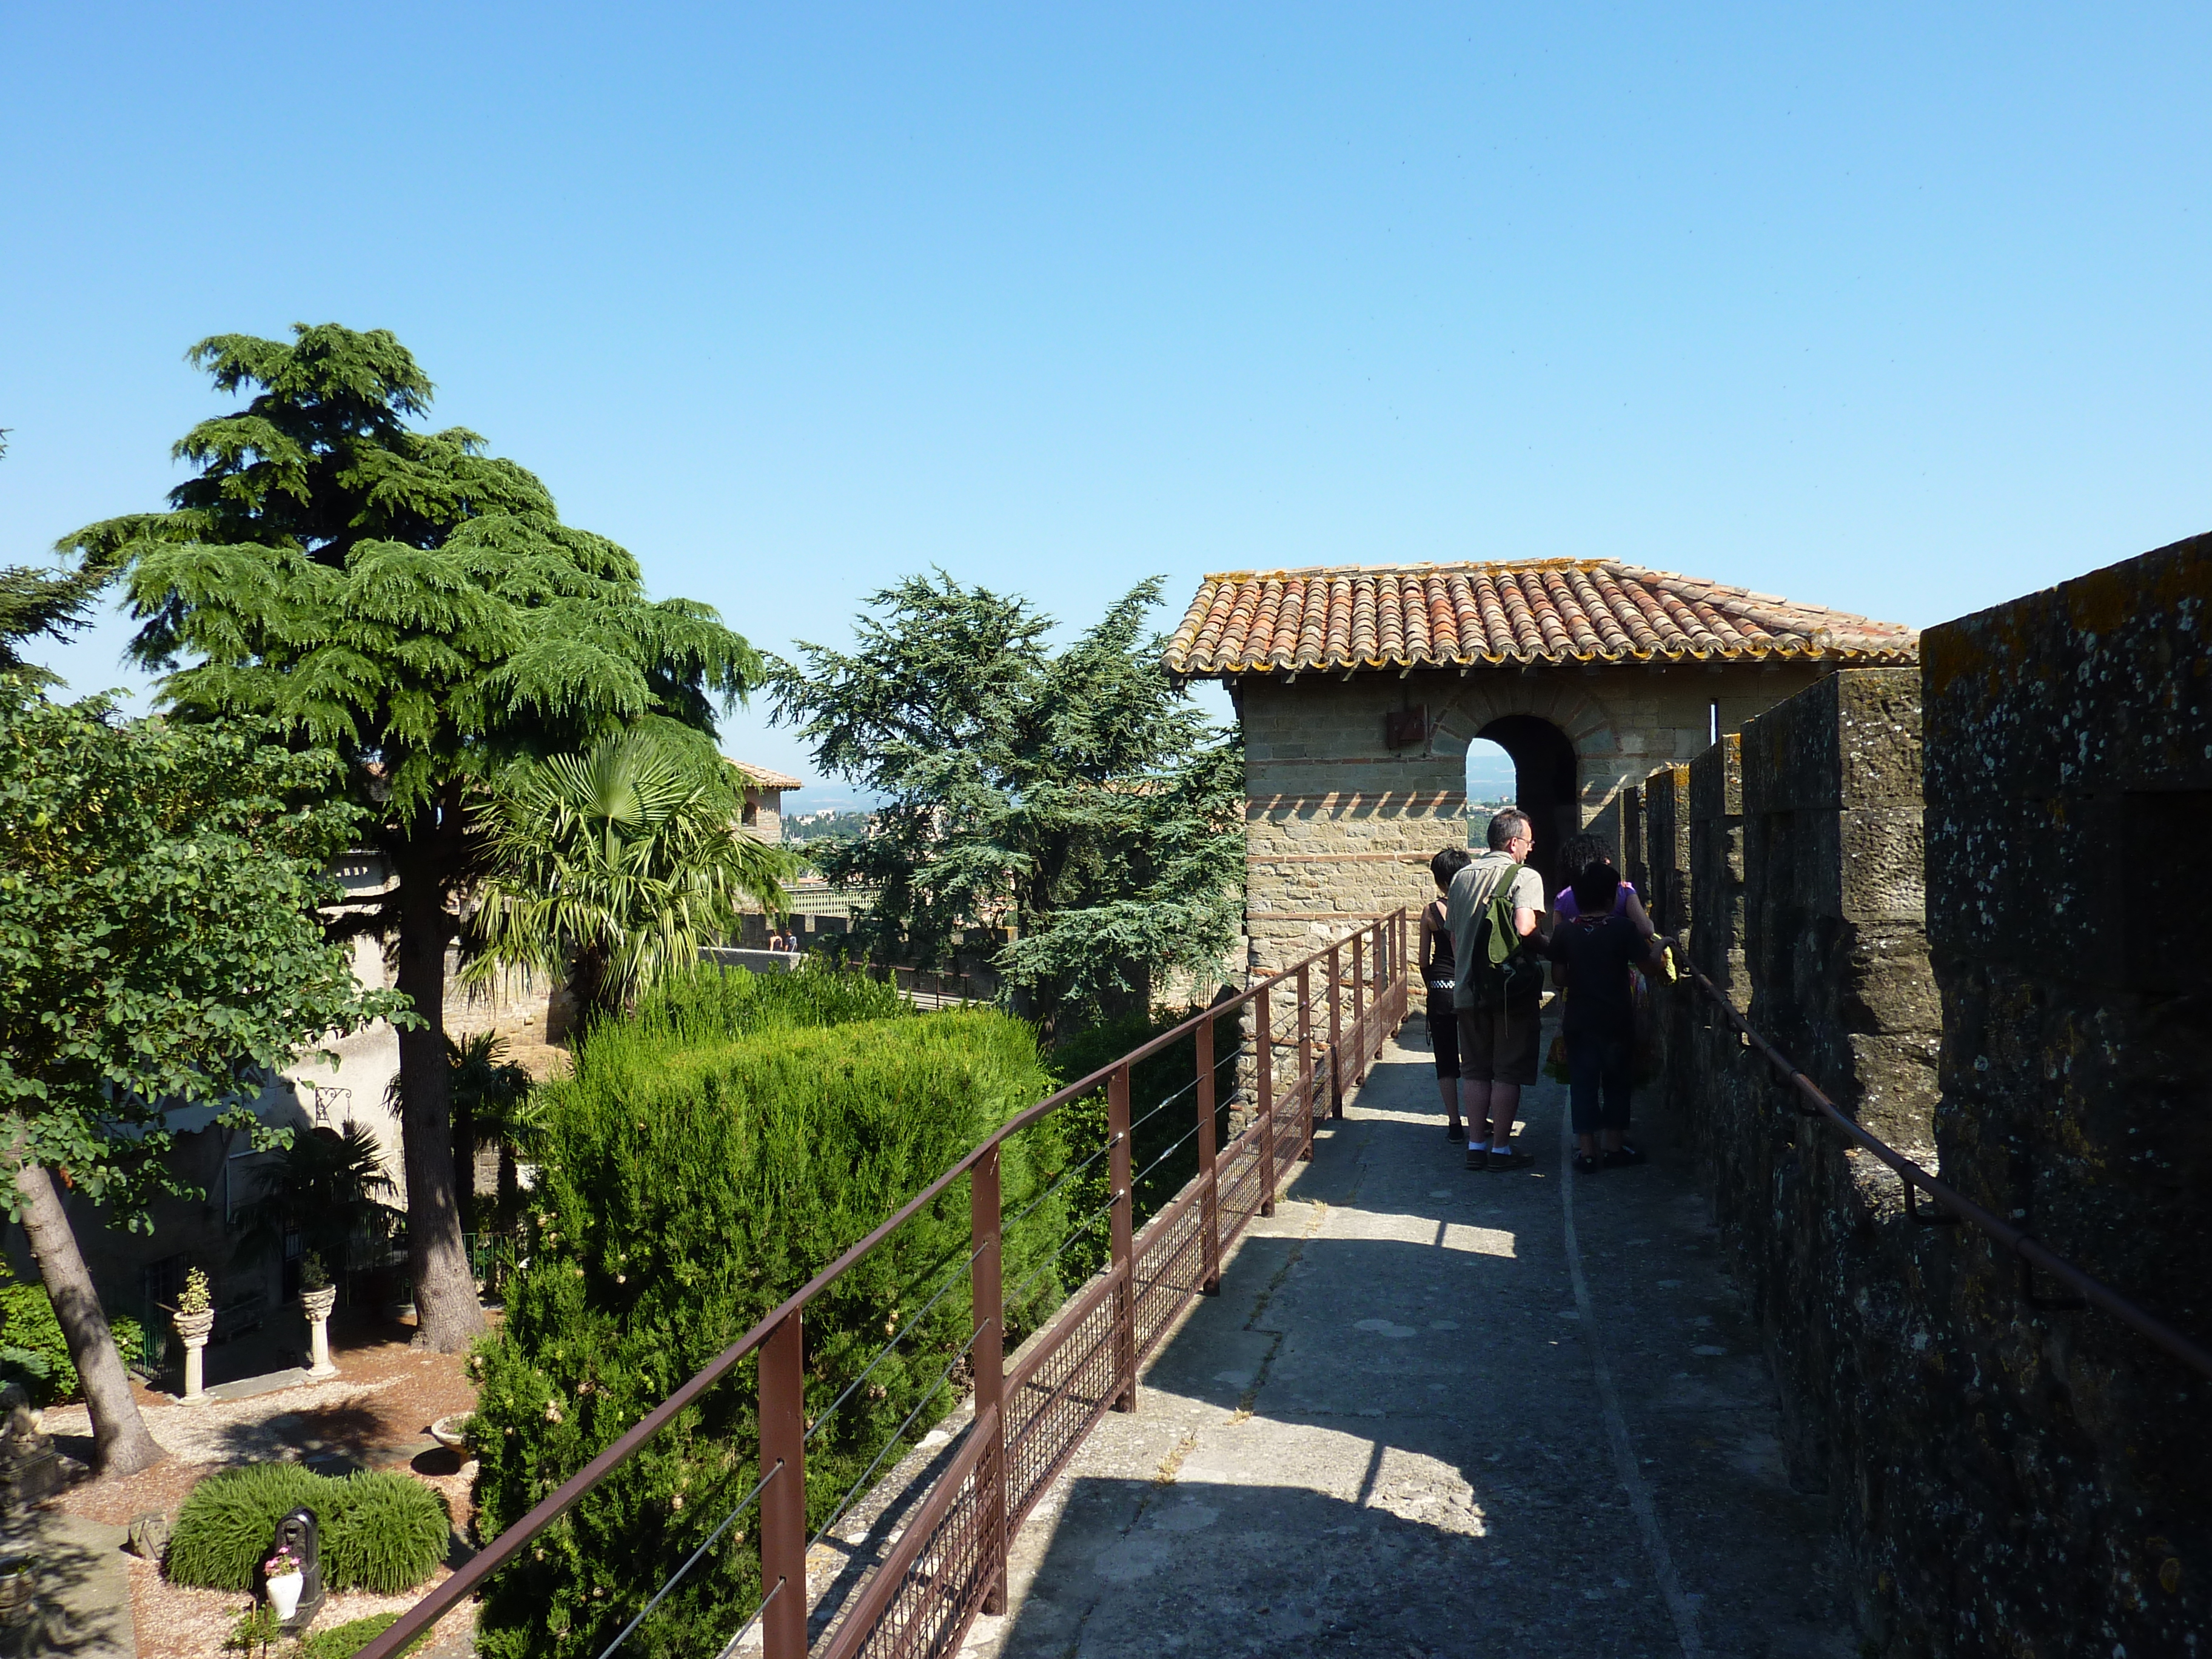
<point x="1563" y="741"/>
<point x="1546" y="784"/>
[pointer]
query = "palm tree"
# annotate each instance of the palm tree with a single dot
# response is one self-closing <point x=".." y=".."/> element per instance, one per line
<point x="616" y="865"/>
<point x="491" y="1102"/>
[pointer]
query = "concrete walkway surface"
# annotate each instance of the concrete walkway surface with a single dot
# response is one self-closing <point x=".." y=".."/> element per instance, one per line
<point x="1437" y="1412"/>
<point x="83" y="1609"/>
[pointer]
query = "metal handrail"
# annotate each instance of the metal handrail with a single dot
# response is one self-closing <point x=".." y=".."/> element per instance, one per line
<point x="1387" y="930"/>
<point x="2093" y="1291"/>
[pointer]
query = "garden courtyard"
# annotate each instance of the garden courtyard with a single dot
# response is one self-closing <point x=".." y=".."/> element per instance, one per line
<point x="375" y="1414"/>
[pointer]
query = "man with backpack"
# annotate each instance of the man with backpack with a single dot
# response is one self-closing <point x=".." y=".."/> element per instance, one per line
<point x="1491" y="910"/>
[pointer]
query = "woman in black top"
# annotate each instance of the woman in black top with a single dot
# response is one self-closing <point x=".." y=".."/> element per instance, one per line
<point x="1436" y="969"/>
<point x="1593" y="955"/>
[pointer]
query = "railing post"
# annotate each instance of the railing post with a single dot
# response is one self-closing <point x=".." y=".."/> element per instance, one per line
<point x="986" y="1286"/>
<point x="1305" y="1061"/>
<point x="1263" y="1075"/>
<point x="1209" y="1184"/>
<point x="1124" y="1261"/>
<point x="783" y="1501"/>
<point x="1358" y="1033"/>
<point x="1335" y="1036"/>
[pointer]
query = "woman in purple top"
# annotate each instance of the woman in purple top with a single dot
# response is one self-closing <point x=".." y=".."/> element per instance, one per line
<point x="1577" y="855"/>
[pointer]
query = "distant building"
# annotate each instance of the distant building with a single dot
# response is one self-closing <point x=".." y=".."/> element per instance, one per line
<point x="763" y="813"/>
<point x="1358" y="688"/>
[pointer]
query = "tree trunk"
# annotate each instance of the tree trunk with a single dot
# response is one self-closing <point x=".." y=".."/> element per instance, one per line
<point x="447" y="1315"/>
<point x="121" y="1445"/>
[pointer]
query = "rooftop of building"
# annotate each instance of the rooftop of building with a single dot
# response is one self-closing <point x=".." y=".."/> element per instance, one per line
<point x="1519" y="612"/>
<point x="763" y="778"/>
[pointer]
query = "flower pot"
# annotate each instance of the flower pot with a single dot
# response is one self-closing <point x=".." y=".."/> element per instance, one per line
<point x="284" y="1593"/>
<point x="195" y="1327"/>
<point x="317" y="1305"/>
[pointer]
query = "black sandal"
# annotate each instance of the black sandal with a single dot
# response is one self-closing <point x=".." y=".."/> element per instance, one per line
<point x="1585" y="1165"/>
<point x="1455" y="1134"/>
<point x="1625" y="1156"/>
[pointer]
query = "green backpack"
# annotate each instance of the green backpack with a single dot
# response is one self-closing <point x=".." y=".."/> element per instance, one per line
<point x="1505" y="972"/>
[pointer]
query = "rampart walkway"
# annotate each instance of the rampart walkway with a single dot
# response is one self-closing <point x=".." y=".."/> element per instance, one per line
<point x="1438" y="1413"/>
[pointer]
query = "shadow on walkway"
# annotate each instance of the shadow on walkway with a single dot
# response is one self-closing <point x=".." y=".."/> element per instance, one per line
<point x="1388" y="1432"/>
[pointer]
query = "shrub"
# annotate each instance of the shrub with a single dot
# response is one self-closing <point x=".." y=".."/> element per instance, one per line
<point x="224" y="1525"/>
<point x="1162" y="1150"/>
<point x="343" y="1641"/>
<point x="35" y="1352"/>
<point x="703" y="1162"/>
<point x="390" y="1536"/>
<point x="380" y="1531"/>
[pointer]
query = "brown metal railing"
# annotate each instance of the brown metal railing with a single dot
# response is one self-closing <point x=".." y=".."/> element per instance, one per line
<point x="950" y="1560"/>
<point x="2086" y="1291"/>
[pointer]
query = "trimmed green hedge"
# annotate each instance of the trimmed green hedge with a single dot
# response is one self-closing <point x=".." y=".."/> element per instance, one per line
<point x="706" y="1159"/>
<point x="380" y="1531"/>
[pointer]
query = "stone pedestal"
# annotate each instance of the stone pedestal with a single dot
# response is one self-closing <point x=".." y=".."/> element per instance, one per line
<point x="194" y="1329"/>
<point x="317" y="1305"/>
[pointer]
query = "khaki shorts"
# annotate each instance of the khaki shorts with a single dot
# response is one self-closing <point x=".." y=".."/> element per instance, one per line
<point x="1499" y="1048"/>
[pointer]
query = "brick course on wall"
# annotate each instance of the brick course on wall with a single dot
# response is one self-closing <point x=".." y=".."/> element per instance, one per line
<point x="2006" y="1478"/>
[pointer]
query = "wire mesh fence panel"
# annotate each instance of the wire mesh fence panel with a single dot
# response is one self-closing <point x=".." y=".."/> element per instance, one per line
<point x="1171" y="1266"/>
<point x="924" y="1596"/>
<point x="1060" y="1390"/>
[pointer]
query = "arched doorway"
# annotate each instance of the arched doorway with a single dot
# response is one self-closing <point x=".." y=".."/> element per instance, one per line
<point x="1547" y="784"/>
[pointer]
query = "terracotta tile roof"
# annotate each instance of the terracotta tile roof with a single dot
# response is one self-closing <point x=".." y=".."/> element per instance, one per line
<point x="764" y="779"/>
<point x="1541" y="610"/>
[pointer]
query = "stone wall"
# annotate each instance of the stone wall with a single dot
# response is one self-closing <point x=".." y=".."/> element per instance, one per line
<point x="2005" y="1478"/>
<point x="1339" y="826"/>
<point x="2069" y="786"/>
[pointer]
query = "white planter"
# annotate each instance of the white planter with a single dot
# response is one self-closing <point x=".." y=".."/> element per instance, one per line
<point x="284" y="1594"/>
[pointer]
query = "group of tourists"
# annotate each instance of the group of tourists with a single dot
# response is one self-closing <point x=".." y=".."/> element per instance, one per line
<point x="1484" y="949"/>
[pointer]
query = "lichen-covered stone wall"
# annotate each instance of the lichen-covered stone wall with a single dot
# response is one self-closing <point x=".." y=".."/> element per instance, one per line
<point x="2023" y="1005"/>
<point x="2069" y="793"/>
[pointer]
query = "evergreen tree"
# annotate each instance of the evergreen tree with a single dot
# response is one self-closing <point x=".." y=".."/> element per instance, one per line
<point x="49" y="602"/>
<point x="1077" y="798"/>
<point x="417" y="606"/>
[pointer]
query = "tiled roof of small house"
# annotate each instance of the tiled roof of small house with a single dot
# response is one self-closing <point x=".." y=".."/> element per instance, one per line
<point x="764" y="779"/>
<point x="1538" y="610"/>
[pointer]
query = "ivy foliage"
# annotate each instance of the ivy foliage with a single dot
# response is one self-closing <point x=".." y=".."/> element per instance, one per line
<point x="707" y="1158"/>
<point x="159" y="940"/>
<point x="35" y="1352"/>
<point x="1077" y="797"/>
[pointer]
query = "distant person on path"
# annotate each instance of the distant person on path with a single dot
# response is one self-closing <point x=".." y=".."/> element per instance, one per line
<point x="1492" y="908"/>
<point x="1437" y="973"/>
<point x="1577" y="854"/>
<point x="1594" y="954"/>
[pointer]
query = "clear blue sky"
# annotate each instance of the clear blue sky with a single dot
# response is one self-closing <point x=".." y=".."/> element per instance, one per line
<point x="1900" y="310"/>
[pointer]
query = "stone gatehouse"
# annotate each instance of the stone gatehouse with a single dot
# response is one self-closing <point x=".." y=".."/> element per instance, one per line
<point x="1359" y="688"/>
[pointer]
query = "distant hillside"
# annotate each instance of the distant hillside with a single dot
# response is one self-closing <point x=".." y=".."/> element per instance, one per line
<point x="828" y="826"/>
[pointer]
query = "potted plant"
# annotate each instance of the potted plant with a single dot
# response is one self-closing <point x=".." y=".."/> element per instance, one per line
<point x="317" y="1295"/>
<point x="281" y="1573"/>
<point x="195" y="1323"/>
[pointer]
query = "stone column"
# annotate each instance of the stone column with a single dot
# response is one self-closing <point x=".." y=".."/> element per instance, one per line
<point x="316" y="1304"/>
<point x="194" y="1329"/>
